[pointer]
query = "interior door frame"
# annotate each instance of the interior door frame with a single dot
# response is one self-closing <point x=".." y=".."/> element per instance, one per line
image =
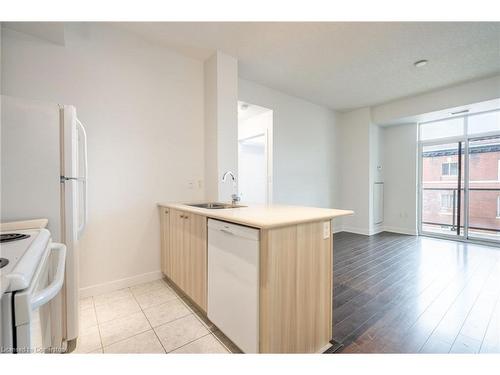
<point x="465" y="138"/>
<point x="268" y="155"/>
<point x="269" y="159"/>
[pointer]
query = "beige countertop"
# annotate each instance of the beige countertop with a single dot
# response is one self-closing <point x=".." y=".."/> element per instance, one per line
<point x="24" y="224"/>
<point x="263" y="216"/>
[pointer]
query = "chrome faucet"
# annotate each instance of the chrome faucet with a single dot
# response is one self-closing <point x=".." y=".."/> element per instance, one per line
<point x="235" y="198"/>
<point x="228" y="173"/>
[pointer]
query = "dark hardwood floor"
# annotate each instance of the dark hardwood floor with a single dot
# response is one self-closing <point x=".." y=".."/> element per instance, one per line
<point x="408" y="294"/>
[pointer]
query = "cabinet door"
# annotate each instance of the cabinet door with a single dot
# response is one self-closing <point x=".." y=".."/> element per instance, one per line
<point x="195" y="254"/>
<point x="295" y="288"/>
<point x="166" y="261"/>
<point x="176" y="222"/>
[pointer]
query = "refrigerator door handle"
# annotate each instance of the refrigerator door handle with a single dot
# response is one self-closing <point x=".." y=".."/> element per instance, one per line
<point x="64" y="178"/>
<point x="82" y="226"/>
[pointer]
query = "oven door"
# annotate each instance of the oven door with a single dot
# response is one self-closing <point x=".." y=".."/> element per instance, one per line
<point x="7" y="324"/>
<point x="39" y="309"/>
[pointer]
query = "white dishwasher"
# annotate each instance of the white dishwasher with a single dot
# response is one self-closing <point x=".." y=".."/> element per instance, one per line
<point x="233" y="282"/>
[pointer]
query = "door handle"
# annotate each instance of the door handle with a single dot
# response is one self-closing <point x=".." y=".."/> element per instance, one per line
<point x="227" y="231"/>
<point x="83" y="225"/>
<point x="45" y="295"/>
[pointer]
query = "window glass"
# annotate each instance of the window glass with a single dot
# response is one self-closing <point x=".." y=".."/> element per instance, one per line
<point x="447" y="200"/>
<point x="483" y="122"/>
<point x="442" y="129"/>
<point x="445" y="169"/>
<point x="453" y="169"/>
<point x="449" y="169"/>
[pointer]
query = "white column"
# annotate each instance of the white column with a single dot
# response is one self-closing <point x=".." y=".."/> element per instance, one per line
<point x="221" y="125"/>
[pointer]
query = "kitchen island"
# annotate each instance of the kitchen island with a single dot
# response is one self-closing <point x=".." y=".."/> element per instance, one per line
<point x="293" y="271"/>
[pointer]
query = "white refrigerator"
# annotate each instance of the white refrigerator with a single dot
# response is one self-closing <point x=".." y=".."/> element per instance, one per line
<point x="44" y="175"/>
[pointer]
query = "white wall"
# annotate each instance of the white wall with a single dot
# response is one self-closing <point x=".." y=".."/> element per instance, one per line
<point x="400" y="175"/>
<point x="376" y="173"/>
<point x="400" y="111"/>
<point x="210" y="118"/>
<point x="353" y="143"/>
<point x="143" y="109"/>
<point x="364" y="145"/>
<point x="399" y="143"/>
<point x="303" y="150"/>
<point x="221" y="119"/>
<point x="52" y="32"/>
<point x="360" y="145"/>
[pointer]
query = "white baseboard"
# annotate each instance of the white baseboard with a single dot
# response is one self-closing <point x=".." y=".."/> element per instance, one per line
<point x="347" y="228"/>
<point x="111" y="286"/>
<point x="376" y="230"/>
<point x="401" y="230"/>
<point x="338" y="229"/>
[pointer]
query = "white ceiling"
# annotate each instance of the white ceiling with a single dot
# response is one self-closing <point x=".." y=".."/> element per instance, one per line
<point x="341" y="65"/>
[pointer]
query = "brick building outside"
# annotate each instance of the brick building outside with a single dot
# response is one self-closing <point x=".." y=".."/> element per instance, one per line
<point x="440" y="188"/>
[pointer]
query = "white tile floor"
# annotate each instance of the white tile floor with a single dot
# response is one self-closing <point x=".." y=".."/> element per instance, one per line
<point x="146" y="318"/>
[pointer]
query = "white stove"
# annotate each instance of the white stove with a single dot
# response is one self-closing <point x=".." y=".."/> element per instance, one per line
<point x="23" y="256"/>
<point x="31" y="305"/>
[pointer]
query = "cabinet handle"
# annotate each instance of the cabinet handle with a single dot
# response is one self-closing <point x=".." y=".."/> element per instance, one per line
<point x="166" y="211"/>
<point x="182" y="216"/>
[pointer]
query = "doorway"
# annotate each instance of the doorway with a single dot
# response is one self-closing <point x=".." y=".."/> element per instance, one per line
<point x="255" y="128"/>
<point x="459" y="182"/>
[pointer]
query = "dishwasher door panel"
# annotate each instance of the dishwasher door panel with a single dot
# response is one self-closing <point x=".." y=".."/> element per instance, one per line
<point x="233" y="282"/>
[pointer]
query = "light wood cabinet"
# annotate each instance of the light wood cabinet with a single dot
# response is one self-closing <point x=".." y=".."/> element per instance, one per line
<point x="295" y="289"/>
<point x="184" y="251"/>
<point x="196" y="282"/>
<point x="166" y="261"/>
<point x="295" y="278"/>
<point x="176" y="229"/>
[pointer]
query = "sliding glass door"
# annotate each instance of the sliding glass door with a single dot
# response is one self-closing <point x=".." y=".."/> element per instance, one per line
<point x="459" y="190"/>
<point x="484" y="189"/>
<point x="442" y="189"/>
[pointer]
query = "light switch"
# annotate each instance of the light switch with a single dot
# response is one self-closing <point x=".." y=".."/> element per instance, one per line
<point x="326" y="230"/>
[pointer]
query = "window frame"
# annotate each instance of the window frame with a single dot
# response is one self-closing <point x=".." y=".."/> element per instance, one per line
<point x="465" y="138"/>
<point x="498" y="207"/>
<point x="449" y="164"/>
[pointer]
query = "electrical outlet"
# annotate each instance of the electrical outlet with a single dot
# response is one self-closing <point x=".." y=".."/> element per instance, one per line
<point x="326" y="230"/>
<point x="190" y="185"/>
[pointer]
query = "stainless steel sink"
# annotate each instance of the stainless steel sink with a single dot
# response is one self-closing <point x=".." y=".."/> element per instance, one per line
<point x="214" y="205"/>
